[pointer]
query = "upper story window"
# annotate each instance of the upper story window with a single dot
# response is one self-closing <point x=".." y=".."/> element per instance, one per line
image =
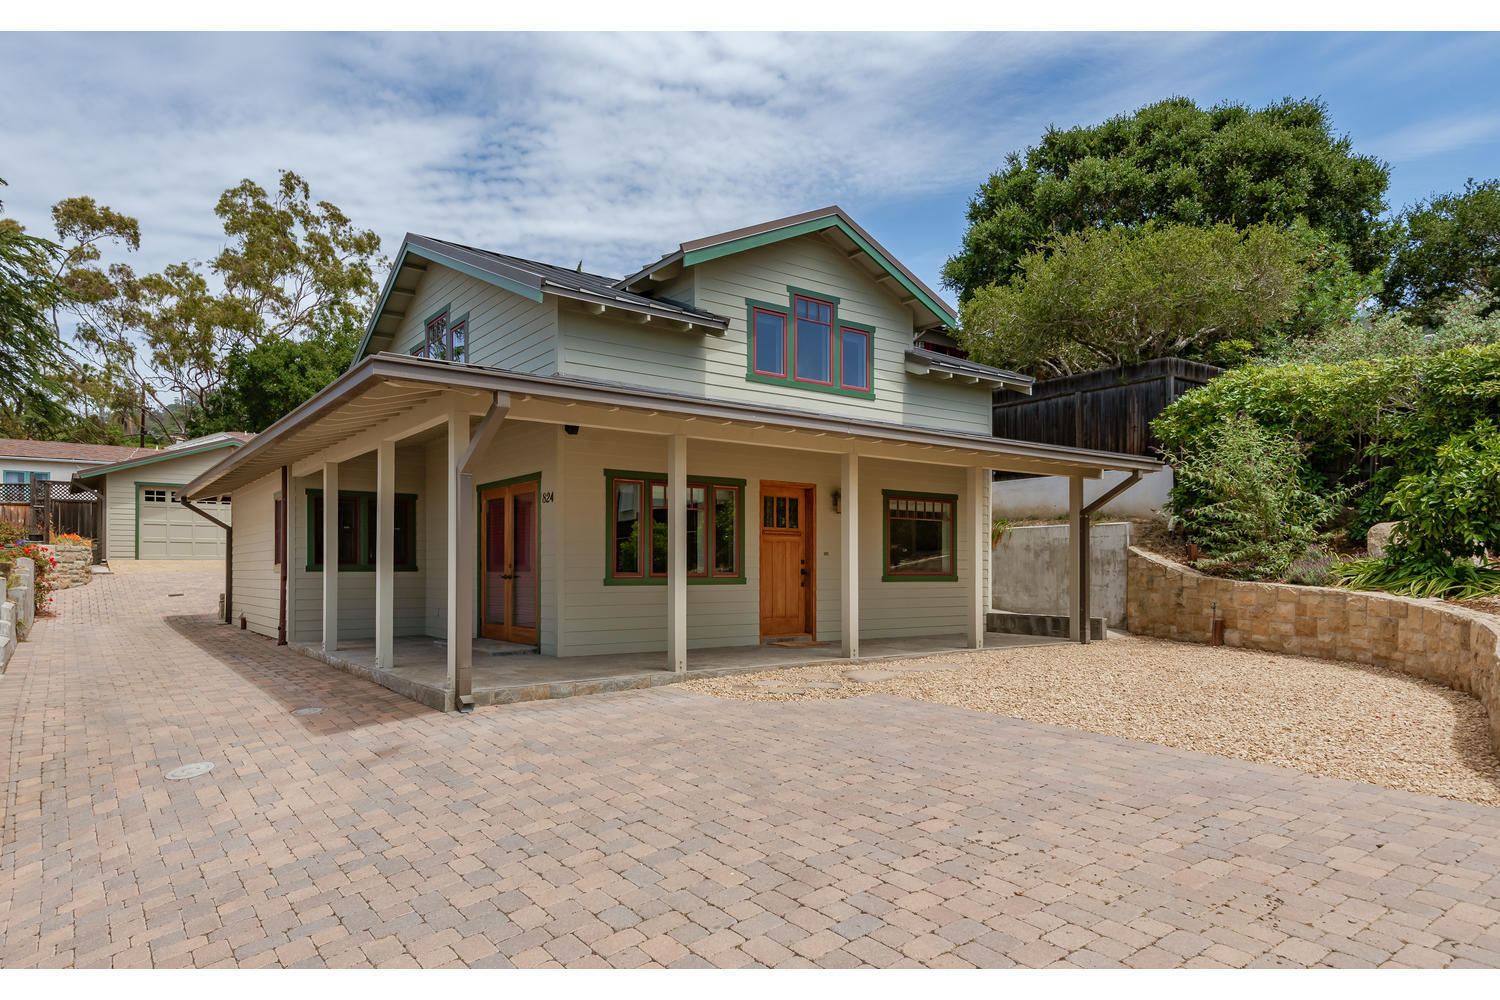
<point x="768" y="342"/>
<point x="814" y="340"/>
<point x="444" y="340"/>
<point x="855" y="358"/>
<point x="803" y="342"/>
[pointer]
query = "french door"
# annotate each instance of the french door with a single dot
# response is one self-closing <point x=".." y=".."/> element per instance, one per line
<point x="509" y="572"/>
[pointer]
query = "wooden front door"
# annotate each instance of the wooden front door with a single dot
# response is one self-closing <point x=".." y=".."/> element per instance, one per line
<point x="787" y="540"/>
<point x="510" y="565"/>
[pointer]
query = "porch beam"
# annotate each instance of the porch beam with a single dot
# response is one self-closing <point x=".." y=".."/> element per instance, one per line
<point x="330" y="556"/>
<point x="849" y="582"/>
<point x="461" y="548"/>
<point x="412" y="419"/>
<point x="976" y="488"/>
<point x="834" y="442"/>
<point x="385" y="555"/>
<point x="676" y="552"/>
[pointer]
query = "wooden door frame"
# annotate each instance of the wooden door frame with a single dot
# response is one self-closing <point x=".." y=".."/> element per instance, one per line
<point x="809" y="548"/>
<point x="535" y="479"/>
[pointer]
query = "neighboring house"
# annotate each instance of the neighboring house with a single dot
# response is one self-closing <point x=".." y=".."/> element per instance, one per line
<point x="23" y="461"/>
<point x="144" y="517"/>
<point x="738" y="443"/>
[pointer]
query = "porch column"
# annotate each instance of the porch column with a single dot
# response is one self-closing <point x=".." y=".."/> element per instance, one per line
<point x="676" y="552"/>
<point x="849" y="584"/>
<point x="1078" y="594"/>
<point x="385" y="555"/>
<point x="976" y="500"/>
<point x="461" y="546"/>
<point x="330" y="556"/>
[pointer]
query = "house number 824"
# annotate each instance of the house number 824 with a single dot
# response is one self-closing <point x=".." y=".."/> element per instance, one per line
<point x="547" y="497"/>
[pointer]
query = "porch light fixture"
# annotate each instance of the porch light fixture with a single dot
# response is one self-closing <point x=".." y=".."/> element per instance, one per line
<point x="837" y="496"/>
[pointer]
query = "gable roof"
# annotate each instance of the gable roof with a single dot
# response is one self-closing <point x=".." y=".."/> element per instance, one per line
<point x="886" y="267"/>
<point x="920" y="361"/>
<point x="148" y="456"/>
<point x="530" y="279"/>
<point x="68" y="451"/>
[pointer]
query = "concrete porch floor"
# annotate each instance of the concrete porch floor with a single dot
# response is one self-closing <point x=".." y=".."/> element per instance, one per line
<point x="502" y="673"/>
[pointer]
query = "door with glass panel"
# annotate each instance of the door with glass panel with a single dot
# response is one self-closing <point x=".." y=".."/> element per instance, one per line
<point x="509" y="570"/>
<point x="787" y="588"/>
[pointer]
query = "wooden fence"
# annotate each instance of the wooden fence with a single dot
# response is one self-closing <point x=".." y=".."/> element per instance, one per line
<point x="1110" y="409"/>
<point x="52" y="508"/>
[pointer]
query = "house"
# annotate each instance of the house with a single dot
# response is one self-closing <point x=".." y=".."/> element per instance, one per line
<point x="739" y="444"/>
<point x="25" y="461"/>
<point x="143" y="514"/>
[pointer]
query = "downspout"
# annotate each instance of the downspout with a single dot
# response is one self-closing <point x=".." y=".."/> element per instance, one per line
<point x="228" y="555"/>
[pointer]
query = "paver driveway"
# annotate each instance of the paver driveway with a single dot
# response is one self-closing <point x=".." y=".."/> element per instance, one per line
<point x="661" y="827"/>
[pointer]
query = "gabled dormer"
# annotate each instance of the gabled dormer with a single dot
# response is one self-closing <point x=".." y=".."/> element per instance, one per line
<point x="804" y="313"/>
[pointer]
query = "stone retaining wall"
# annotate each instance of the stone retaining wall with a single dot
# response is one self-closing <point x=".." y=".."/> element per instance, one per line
<point x="18" y="610"/>
<point x="1436" y="641"/>
<point x="75" y="565"/>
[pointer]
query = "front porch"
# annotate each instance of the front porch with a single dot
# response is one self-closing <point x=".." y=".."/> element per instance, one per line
<point x="505" y="673"/>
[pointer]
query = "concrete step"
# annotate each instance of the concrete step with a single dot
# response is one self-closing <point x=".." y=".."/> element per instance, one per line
<point x="1054" y="626"/>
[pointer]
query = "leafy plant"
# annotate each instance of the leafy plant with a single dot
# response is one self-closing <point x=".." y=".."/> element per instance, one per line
<point x="1461" y="581"/>
<point x="1116" y="296"/>
<point x="45" y="582"/>
<point x="1245" y="498"/>
<point x="1000" y="529"/>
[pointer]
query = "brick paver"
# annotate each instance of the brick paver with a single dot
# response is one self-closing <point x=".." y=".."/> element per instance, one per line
<point x="661" y="827"/>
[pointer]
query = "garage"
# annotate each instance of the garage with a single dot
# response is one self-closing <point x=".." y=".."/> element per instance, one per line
<point x="165" y="529"/>
<point x="144" y="517"/>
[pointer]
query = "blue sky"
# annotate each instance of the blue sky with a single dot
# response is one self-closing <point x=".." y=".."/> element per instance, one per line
<point x="615" y="148"/>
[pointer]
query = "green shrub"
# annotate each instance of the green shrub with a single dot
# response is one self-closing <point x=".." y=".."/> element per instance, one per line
<point x="1368" y="422"/>
<point x="1244" y="496"/>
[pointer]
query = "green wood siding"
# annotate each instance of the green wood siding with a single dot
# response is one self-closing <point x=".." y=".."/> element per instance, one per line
<point x="505" y="330"/>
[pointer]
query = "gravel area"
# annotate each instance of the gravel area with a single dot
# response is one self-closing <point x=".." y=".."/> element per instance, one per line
<point x="1343" y="720"/>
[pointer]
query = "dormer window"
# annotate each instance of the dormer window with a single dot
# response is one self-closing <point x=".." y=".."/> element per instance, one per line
<point x="803" y="342"/>
<point x="444" y="340"/>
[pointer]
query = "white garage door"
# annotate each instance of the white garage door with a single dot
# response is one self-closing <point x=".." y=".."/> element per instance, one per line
<point x="165" y="529"/>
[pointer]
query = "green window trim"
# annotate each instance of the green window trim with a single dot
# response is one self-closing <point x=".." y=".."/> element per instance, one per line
<point x="886" y="576"/>
<point x="366" y="504"/>
<point x="646" y="579"/>
<point x="788" y="309"/>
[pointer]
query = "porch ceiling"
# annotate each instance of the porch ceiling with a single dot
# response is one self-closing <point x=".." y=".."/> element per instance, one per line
<point x="392" y="396"/>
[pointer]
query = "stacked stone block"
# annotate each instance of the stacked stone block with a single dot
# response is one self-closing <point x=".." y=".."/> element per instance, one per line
<point x="1437" y="641"/>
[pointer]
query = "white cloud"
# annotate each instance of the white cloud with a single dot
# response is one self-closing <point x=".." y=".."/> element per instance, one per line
<point x="609" y="148"/>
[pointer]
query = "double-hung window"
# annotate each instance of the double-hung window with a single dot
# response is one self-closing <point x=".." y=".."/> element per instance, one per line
<point x="637" y="532"/>
<point x="919" y="542"/>
<point x="357" y="526"/>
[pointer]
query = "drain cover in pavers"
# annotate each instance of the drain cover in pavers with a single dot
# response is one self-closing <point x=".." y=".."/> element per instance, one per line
<point x="870" y="676"/>
<point x="189" y="770"/>
<point x="310" y="710"/>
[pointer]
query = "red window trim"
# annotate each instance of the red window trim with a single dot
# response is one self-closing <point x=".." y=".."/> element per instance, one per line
<point x="648" y="508"/>
<point x="713" y="501"/>
<point x="642" y="553"/>
<point x="950" y="566"/>
<point x="869" y="357"/>
<point x="755" y="312"/>
<point x="797" y="334"/>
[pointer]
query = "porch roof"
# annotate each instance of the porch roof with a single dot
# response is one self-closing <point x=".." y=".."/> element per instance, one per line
<point x="395" y="395"/>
